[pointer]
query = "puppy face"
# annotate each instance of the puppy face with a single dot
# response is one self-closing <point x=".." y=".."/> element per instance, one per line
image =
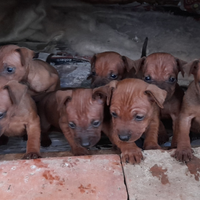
<point x="162" y="70"/>
<point x="132" y="107"/>
<point x="13" y="61"/>
<point x="107" y="66"/>
<point x="84" y="114"/>
<point x="11" y="95"/>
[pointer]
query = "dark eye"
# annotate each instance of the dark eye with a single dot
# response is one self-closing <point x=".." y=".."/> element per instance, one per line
<point x="10" y="69"/>
<point x="113" y="76"/>
<point x="2" y="115"/>
<point x="114" y="114"/>
<point x="72" y="125"/>
<point x="172" y="79"/>
<point x="93" y="73"/>
<point x="147" y="78"/>
<point x="139" y="118"/>
<point x="96" y="123"/>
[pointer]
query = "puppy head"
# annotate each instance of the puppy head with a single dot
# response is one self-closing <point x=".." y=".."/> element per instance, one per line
<point x="132" y="107"/>
<point x="108" y="66"/>
<point x="162" y="70"/>
<point x="83" y="109"/>
<point x="11" y="96"/>
<point x="14" y="62"/>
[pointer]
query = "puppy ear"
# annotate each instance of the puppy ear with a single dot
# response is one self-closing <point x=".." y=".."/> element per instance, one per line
<point x="16" y="91"/>
<point x="105" y="90"/>
<point x="156" y="94"/>
<point x="191" y="67"/>
<point x="180" y="64"/>
<point x="92" y="62"/>
<point x="62" y="96"/>
<point x="25" y="55"/>
<point x="136" y="64"/>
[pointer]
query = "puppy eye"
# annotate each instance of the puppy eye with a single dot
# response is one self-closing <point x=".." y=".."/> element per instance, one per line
<point x="93" y="73"/>
<point x="10" y="70"/>
<point x="113" y="76"/>
<point x="172" y="79"/>
<point x="2" y="114"/>
<point x="72" y="125"/>
<point x="139" y="118"/>
<point x="96" y="123"/>
<point x="114" y="114"/>
<point x="147" y="78"/>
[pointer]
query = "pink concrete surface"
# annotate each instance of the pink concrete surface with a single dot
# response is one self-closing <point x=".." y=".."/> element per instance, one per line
<point x="70" y="178"/>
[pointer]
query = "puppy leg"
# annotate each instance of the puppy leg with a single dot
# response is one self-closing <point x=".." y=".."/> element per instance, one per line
<point x="162" y="134"/>
<point x="183" y="152"/>
<point x="33" y="142"/>
<point x="175" y="132"/>
<point x="151" y="135"/>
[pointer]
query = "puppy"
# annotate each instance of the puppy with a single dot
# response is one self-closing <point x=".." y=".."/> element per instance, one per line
<point x="134" y="107"/>
<point x="108" y="66"/>
<point x="18" y="116"/>
<point x="17" y="63"/>
<point x="162" y="69"/>
<point x="78" y="113"/>
<point x="189" y="118"/>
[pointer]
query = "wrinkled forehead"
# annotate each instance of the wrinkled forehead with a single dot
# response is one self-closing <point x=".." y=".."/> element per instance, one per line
<point x="108" y="63"/>
<point x="160" y="63"/>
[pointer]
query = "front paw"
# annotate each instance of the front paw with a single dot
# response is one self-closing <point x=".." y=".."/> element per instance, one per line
<point x="132" y="156"/>
<point x="79" y="151"/>
<point x="183" y="154"/>
<point x="31" y="155"/>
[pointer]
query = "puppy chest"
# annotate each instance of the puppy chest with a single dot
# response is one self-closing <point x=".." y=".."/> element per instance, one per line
<point x="15" y="129"/>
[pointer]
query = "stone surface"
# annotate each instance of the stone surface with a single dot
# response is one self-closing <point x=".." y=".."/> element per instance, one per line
<point x="84" y="177"/>
<point x="161" y="177"/>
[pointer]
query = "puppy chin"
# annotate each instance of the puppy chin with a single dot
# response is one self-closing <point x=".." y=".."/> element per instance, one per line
<point x="136" y="136"/>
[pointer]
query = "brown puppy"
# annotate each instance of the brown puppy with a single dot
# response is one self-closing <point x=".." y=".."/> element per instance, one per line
<point x="18" y="116"/>
<point x="109" y="66"/>
<point x="135" y="111"/>
<point x="162" y="70"/>
<point x="78" y="113"/>
<point x="17" y="63"/>
<point x="189" y="118"/>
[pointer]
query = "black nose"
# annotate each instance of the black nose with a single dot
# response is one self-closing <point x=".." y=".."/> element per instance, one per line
<point x="124" y="137"/>
<point x="85" y="144"/>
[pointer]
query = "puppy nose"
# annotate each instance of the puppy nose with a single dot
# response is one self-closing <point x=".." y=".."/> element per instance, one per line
<point x="124" y="137"/>
<point x="85" y="144"/>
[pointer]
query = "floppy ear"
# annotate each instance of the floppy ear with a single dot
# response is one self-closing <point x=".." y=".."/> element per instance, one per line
<point x="25" y="55"/>
<point x="156" y="94"/>
<point x="16" y="91"/>
<point x="136" y="64"/>
<point x="92" y="62"/>
<point x="180" y="64"/>
<point x="191" y="67"/>
<point x="62" y="96"/>
<point x="105" y="90"/>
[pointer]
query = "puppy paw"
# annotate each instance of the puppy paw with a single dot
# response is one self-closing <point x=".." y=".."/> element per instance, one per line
<point x="132" y="156"/>
<point x="183" y="154"/>
<point x="79" y="151"/>
<point x="31" y="155"/>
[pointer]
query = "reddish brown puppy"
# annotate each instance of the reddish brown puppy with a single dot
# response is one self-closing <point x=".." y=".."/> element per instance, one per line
<point x="135" y="111"/>
<point x="189" y="118"/>
<point x="78" y="113"/>
<point x="18" y="116"/>
<point x="162" y="69"/>
<point x="17" y="63"/>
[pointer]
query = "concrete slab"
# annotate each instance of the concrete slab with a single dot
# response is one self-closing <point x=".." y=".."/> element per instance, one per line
<point x="97" y="177"/>
<point x="161" y="177"/>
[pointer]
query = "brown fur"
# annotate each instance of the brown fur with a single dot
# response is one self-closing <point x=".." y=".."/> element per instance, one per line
<point x="38" y="75"/>
<point x="105" y="64"/>
<point x="132" y="99"/>
<point x="189" y="118"/>
<point x="18" y="116"/>
<point x="162" y="68"/>
<point x="80" y="106"/>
